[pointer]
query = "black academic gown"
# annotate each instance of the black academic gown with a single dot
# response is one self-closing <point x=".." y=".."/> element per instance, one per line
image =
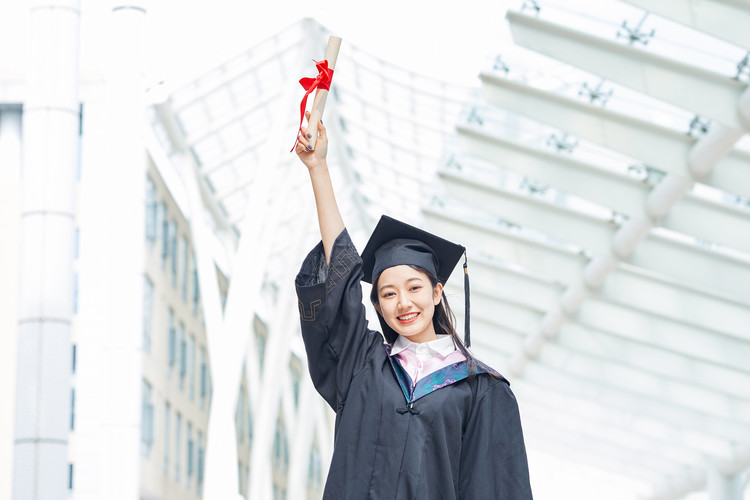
<point x="450" y="437"/>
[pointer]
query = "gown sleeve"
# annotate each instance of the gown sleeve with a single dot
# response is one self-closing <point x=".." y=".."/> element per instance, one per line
<point x="493" y="454"/>
<point x="332" y="318"/>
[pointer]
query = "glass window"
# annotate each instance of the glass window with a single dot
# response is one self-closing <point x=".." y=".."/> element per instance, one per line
<point x="314" y="469"/>
<point x="162" y="225"/>
<point x="72" y="408"/>
<point x="191" y="367"/>
<point x="172" y="339"/>
<point x="196" y="290"/>
<point x="148" y="308"/>
<point x="295" y="384"/>
<point x="166" y="438"/>
<point x="189" y="454"/>
<point x="182" y="346"/>
<point x="75" y="291"/>
<point x="147" y="419"/>
<point x="183" y="268"/>
<point x="199" y="482"/>
<point x="173" y="252"/>
<point x="280" y="448"/>
<point x="260" y="339"/>
<point x="204" y="377"/>
<point x="151" y="218"/>
<point x="177" y="428"/>
<point x="239" y="416"/>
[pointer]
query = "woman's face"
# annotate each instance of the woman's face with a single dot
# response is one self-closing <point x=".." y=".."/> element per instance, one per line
<point x="407" y="300"/>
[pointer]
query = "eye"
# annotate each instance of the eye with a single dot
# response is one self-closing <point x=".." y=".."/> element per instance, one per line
<point x="388" y="294"/>
<point x="415" y="288"/>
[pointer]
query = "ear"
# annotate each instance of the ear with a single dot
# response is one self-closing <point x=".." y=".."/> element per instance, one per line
<point x="437" y="294"/>
<point x="376" y="305"/>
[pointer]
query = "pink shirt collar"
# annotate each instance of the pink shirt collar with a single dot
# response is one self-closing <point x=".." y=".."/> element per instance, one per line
<point x="443" y="346"/>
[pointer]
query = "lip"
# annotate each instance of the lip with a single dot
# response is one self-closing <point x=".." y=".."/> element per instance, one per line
<point x="407" y="321"/>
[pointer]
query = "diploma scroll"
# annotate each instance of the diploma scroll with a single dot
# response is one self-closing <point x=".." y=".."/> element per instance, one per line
<point x="319" y="104"/>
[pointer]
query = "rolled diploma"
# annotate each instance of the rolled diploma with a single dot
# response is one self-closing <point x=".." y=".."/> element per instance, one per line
<point x="319" y="104"/>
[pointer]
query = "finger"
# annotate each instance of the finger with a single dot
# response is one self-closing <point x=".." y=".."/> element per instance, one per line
<point x="303" y="142"/>
<point x="322" y="130"/>
<point x="302" y="137"/>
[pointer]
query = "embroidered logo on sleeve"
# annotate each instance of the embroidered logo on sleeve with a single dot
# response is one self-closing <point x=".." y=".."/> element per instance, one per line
<point x="341" y="266"/>
<point x="308" y="312"/>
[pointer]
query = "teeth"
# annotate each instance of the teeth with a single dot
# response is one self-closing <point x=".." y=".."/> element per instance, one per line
<point x="407" y="317"/>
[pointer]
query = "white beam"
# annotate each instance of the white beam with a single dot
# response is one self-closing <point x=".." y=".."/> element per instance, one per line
<point x="688" y="263"/>
<point x="662" y="361"/>
<point x="658" y="146"/>
<point x="725" y="19"/>
<point x="667" y="408"/>
<point x="706" y="93"/>
<point x="625" y="194"/>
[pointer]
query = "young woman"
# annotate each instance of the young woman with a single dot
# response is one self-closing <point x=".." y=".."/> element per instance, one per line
<point x="417" y="417"/>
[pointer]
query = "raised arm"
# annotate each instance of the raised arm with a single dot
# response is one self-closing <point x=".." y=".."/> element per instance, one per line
<point x="329" y="217"/>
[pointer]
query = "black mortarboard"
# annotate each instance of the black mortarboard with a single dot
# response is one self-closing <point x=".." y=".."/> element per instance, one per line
<point x="394" y="243"/>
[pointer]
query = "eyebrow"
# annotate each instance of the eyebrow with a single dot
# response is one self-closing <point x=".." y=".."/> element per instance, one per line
<point x="414" y="278"/>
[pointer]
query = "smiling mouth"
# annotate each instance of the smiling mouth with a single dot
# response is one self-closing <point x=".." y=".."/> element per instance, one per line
<point x="407" y="318"/>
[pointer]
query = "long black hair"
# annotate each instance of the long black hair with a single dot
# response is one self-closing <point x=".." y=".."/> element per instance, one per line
<point x="443" y="320"/>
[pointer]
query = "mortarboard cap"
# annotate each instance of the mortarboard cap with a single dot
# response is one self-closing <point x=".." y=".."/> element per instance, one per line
<point x="394" y="243"/>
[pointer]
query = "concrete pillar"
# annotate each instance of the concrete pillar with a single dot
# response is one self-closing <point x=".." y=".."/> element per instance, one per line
<point x="723" y="487"/>
<point x="47" y="224"/>
<point x="125" y="181"/>
<point x="10" y="183"/>
<point x="112" y="238"/>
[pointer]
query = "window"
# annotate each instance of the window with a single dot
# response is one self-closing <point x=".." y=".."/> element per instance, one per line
<point x="177" y="427"/>
<point x="261" y="333"/>
<point x="162" y="224"/>
<point x="182" y="346"/>
<point x="147" y="419"/>
<point x="148" y="307"/>
<point x="191" y="367"/>
<point x="199" y="482"/>
<point x="173" y="252"/>
<point x="314" y="469"/>
<point x="172" y="347"/>
<point x="239" y="415"/>
<point x="183" y="268"/>
<point x="75" y="291"/>
<point x="151" y="217"/>
<point x="189" y="454"/>
<point x="72" y="408"/>
<point x="296" y="375"/>
<point x="196" y="290"/>
<point x="166" y="438"/>
<point x="204" y="377"/>
<point x="280" y="460"/>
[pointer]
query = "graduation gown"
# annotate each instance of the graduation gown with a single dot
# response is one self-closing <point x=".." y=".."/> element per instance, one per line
<point x="449" y="437"/>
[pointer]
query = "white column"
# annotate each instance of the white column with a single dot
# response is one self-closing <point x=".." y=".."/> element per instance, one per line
<point x="10" y="182"/>
<point x="125" y="180"/>
<point x="723" y="487"/>
<point x="50" y="155"/>
<point x="112" y="238"/>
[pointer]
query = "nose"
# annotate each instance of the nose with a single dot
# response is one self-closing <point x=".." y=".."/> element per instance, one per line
<point x="403" y="301"/>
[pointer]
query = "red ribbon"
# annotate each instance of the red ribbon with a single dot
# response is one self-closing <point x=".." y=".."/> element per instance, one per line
<point x="322" y="82"/>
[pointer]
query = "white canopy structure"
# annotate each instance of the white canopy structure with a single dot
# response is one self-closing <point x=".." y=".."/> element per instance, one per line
<point x="600" y="180"/>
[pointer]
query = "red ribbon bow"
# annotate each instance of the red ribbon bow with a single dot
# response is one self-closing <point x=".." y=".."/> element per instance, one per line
<point x="322" y="82"/>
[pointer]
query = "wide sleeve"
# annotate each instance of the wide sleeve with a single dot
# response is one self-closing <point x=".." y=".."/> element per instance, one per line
<point x="493" y="454"/>
<point x="332" y="317"/>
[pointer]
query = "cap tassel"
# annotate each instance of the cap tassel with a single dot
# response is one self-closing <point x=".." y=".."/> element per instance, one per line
<point x="467" y="304"/>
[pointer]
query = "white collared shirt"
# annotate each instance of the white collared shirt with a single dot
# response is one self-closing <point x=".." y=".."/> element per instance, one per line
<point x="420" y="359"/>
